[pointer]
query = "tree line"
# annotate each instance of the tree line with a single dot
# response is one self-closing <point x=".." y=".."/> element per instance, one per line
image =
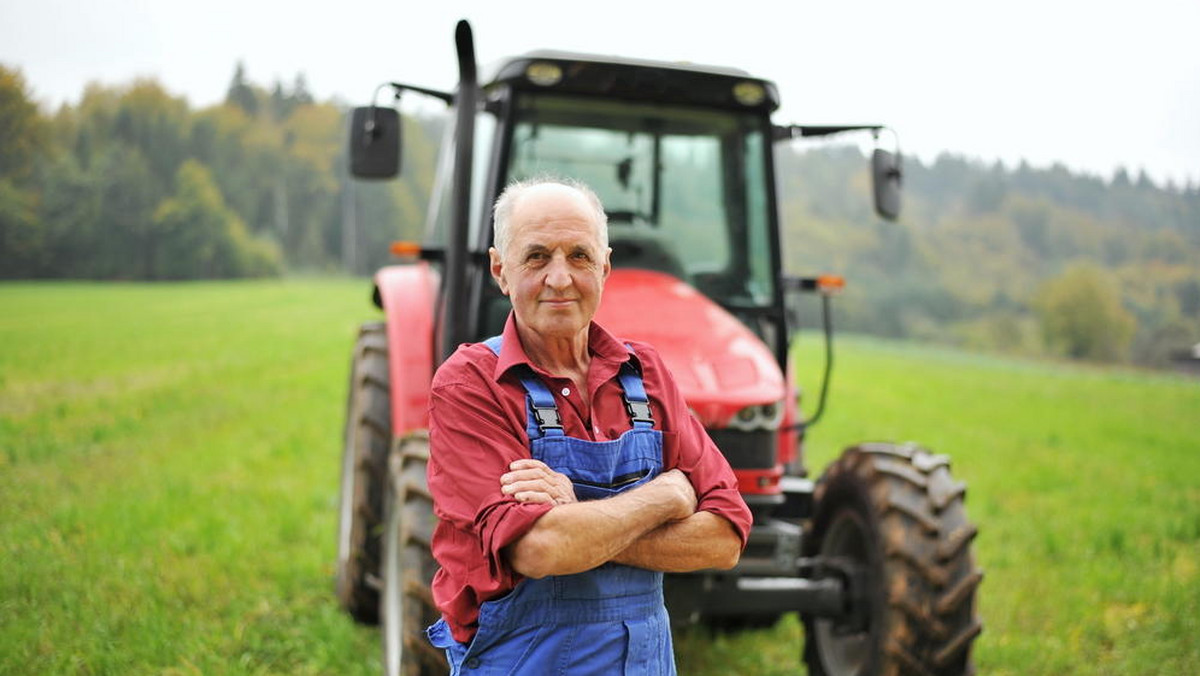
<point x="132" y="183"/>
<point x="1020" y="260"/>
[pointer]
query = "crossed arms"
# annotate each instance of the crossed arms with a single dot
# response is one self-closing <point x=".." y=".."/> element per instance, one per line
<point x="654" y="526"/>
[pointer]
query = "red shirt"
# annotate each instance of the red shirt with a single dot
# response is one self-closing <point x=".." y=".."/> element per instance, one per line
<point x="477" y="427"/>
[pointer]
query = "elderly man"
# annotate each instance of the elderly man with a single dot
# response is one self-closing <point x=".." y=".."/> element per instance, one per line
<point x="566" y="470"/>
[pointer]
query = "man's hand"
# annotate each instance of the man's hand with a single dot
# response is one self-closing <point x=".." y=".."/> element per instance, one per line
<point x="533" y="481"/>
<point x="680" y="491"/>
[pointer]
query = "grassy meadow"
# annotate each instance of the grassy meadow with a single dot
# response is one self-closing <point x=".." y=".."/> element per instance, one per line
<point x="168" y="480"/>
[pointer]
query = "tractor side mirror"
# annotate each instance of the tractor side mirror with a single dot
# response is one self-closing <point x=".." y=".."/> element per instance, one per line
<point x="887" y="177"/>
<point x="375" y="142"/>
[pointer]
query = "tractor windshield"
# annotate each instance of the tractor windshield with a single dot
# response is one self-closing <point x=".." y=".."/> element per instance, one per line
<point x="684" y="188"/>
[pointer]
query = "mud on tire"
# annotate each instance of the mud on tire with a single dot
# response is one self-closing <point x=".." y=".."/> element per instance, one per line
<point x="366" y="439"/>
<point x="895" y="513"/>
<point x="408" y="565"/>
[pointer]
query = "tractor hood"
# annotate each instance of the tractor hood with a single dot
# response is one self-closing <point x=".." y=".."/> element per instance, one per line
<point x="719" y="365"/>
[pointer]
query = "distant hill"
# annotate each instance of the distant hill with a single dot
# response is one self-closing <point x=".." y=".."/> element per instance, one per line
<point x="984" y="256"/>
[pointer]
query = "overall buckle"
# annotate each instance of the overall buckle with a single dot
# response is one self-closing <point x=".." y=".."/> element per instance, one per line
<point x="547" y="417"/>
<point x="639" y="411"/>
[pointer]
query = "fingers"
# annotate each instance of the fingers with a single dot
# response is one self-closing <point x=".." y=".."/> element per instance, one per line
<point x="534" y="497"/>
<point x="529" y="463"/>
<point x="532" y="481"/>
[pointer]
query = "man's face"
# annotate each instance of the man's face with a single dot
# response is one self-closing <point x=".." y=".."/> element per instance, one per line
<point x="553" y="268"/>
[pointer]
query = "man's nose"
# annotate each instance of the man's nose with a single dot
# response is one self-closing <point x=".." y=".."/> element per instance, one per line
<point x="558" y="275"/>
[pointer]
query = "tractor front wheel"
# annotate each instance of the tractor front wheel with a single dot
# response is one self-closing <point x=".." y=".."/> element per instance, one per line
<point x="408" y="565"/>
<point x="891" y="518"/>
<point x="368" y="433"/>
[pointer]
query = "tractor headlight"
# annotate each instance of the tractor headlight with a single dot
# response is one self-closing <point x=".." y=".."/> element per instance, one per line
<point x="544" y="74"/>
<point x="749" y="93"/>
<point x="758" y="417"/>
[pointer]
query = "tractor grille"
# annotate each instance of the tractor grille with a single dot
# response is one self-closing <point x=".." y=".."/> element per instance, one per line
<point x="746" y="450"/>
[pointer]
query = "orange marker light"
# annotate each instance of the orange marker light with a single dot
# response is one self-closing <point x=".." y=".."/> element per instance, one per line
<point x="405" y="249"/>
<point x="831" y="283"/>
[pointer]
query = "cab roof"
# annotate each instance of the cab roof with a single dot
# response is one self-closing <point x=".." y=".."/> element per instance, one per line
<point x="634" y="79"/>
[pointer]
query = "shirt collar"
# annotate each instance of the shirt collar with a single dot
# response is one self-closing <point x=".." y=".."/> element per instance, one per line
<point x="601" y="344"/>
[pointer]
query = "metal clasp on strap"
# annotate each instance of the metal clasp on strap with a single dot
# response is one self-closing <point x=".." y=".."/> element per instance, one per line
<point x="546" y="417"/>
<point x="639" y="411"/>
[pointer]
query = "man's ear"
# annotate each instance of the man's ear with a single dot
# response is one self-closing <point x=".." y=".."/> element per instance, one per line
<point x="607" y="267"/>
<point x="497" y="268"/>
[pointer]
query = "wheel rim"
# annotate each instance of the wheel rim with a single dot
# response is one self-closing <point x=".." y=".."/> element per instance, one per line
<point x="346" y="499"/>
<point x="845" y="650"/>
<point x="393" y="605"/>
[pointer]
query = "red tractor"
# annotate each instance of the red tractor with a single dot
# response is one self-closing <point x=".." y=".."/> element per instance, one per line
<point x="875" y="556"/>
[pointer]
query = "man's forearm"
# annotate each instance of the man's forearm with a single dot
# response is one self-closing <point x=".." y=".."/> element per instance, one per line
<point x="703" y="540"/>
<point x="579" y="536"/>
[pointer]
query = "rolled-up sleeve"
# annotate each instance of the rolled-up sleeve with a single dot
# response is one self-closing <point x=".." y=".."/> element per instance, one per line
<point x="471" y="446"/>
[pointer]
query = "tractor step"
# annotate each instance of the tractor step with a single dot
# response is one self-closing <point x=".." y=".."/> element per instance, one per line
<point x="824" y="597"/>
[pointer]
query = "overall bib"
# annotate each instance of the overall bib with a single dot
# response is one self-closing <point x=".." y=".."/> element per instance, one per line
<point x="605" y="621"/>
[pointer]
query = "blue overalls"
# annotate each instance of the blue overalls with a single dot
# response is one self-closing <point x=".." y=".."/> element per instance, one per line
<point x="608" y="620"/>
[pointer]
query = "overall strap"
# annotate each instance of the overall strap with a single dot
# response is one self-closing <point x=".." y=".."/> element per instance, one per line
<point x="494" y="344"/>
<point x="637" y="404"/>
<point x="541" y="412"/>
<point x="541" y="418"/>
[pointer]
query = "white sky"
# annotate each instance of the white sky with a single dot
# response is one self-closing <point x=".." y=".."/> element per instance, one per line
<point x="1093" y="85"/>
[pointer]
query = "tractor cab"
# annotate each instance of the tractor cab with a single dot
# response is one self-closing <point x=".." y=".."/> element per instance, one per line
<point x="683" y="171"/>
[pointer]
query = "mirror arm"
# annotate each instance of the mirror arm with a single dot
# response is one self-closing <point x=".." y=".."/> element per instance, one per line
<point x="791" y="131"/>
<point x="399" y="88"/>
<point x="788" y="132"/>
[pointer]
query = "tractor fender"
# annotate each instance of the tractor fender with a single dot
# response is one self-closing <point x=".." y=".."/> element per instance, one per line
<point x="407" y="294"/>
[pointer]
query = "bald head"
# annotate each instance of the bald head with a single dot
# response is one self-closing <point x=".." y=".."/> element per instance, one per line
<point x="538" y="191"/>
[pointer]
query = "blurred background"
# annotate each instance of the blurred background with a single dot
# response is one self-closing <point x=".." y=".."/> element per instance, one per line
<point x="183" y="258"/>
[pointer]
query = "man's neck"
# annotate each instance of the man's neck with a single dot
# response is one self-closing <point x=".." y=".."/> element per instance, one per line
<point x="567" y="357"/>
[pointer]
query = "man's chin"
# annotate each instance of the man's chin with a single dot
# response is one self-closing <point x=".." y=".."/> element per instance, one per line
<point x="560" y="326"/>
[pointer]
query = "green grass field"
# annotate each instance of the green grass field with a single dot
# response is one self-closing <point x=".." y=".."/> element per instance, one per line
<point x="168" y="479"/>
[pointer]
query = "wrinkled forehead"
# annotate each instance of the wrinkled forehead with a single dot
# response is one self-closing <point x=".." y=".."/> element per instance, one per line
<point x="556" y="215"/>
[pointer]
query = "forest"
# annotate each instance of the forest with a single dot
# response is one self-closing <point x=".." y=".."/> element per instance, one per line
<point x="133" y="183"/>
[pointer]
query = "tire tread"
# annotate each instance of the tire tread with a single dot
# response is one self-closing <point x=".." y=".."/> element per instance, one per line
<point x="927" y="573"/>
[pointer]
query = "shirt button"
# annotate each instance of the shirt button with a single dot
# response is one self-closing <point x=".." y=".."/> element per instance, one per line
<point x="566" y="391"/>
<point x="473" y="663"/>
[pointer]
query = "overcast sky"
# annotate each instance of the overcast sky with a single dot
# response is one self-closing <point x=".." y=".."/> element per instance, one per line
<point x="1089" y="84"/>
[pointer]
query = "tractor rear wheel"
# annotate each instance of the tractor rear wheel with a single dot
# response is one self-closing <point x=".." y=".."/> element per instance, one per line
<point x="408" y="565"/>
<point x="892" y="517"/>
<point x="366" y="439"/>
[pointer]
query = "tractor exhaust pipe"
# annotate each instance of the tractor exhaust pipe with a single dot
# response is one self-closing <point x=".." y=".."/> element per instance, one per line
<point x="454" y="282"/>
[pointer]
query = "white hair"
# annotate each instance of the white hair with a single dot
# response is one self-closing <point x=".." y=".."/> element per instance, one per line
<point x="502" y="211"/>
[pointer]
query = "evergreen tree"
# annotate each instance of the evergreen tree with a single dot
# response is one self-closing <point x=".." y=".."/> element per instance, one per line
<point x="241" y="93"/>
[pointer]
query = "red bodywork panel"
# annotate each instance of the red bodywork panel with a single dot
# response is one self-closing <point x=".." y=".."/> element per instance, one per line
<point x="720" y="365"/>
<point x="409" y="297"/>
